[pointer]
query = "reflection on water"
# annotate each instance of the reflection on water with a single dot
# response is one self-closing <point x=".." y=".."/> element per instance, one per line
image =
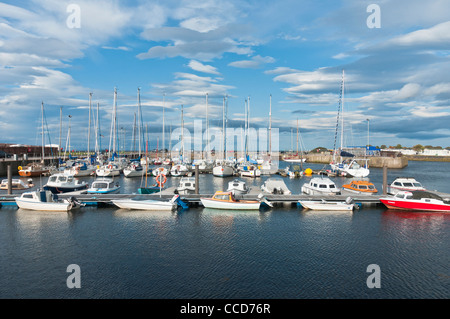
<point x="283" y="252"/>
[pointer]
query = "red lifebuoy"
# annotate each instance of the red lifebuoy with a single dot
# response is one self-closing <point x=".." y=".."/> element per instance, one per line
<point x="110" y="166"/>
<point x="158" y="180"/>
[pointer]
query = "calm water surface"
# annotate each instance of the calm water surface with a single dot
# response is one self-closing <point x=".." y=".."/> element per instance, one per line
<point x="284" y="252"/>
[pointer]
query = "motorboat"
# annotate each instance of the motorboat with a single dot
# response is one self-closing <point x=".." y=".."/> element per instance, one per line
<point x="237" y="187"/>
<point x="45" y="200"/>
<point x="417" y="201"/>
<point x="275" y="186"/>
<point x="16" y="184"/>
<point x="179" y="170"/>
<point x="226" y="200"/>
<point x="320" y="186"/>
<point x="104" y="186"/>
<point x="108" y="170"/>
<point x="404" y="184"/>
<point x="324" y="205"/>
<point x="360" y="187"/>
<point x="33" y="169"/>
<point x="63" y="183"/>
<point x="250" y="171"/>
<point x="186" y="186"/>
<point x="147" y="204"/>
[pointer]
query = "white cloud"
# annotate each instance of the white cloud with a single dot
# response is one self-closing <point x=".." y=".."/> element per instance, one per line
<point x="198" y="66"/>
<point x="254" y="63"/>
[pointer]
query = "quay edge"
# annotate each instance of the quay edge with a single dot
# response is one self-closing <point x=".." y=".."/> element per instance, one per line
<point x="375" y="161"/>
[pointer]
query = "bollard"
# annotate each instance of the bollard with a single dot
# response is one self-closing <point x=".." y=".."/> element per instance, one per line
<point x="384" y="179"/>
<point x="196" y="179"/>
<point x="9" y="173"/>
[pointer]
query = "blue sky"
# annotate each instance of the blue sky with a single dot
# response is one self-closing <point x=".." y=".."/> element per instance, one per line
<point x="397" y="76"/>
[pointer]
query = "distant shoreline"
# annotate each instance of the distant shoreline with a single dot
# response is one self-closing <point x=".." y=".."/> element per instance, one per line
<point x="427" y="158"/>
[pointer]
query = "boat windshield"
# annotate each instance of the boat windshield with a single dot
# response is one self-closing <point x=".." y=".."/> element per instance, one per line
<point x="417" y="184"/>
<point x="222" y="196"/>
<point x="100" y="185"/>
<point x="371" y="187"/>
<point x="408" y="184"/>
<point x="362" y="187"/>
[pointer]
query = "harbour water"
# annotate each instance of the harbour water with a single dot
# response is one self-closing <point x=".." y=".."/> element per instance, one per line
<point x="283" y="252"/>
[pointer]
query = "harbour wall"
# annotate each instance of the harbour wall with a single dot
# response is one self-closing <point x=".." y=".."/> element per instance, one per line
<point x="376" y="161"/>
<point x="15" y="165"/>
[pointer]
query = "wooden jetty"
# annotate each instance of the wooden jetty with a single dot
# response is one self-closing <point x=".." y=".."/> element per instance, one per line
<point x="194" y="199"/>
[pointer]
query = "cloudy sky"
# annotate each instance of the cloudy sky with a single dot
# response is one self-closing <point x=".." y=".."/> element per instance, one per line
<point x="397" y="72"/>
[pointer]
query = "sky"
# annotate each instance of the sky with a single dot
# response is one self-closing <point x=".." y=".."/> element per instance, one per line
<point x="291" y="54"/>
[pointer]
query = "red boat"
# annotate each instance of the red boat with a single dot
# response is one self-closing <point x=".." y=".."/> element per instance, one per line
<point x="417" y="201"/>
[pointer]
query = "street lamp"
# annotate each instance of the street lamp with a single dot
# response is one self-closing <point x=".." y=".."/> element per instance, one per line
<point x="368" y="141"/>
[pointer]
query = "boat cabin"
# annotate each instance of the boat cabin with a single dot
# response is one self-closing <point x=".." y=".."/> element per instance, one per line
<point x="361" y="186"/>
<point x="224" y="196"/>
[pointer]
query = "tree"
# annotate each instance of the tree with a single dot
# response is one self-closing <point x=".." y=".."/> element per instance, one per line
<point x="383" y="146"/>
<point x="418" y="148"/>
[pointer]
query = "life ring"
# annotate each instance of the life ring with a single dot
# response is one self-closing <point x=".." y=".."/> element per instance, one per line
<point x="110" y="166"/>
<point x="158" y="180"/>
<point x="19" y="168"/>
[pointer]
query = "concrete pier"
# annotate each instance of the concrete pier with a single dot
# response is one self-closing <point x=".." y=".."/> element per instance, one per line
<point x="375" y="161"/>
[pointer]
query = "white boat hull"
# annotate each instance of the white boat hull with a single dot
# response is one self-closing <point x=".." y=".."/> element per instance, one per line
<point x="133" y="172"/>
<point x="254" y="173"/>
<point x="223" y="171"/>
<point x="209" y="203"/>
<point x="145" y="204"/>
<point x="107" y="172"/>
<point x="327" y="206"/>
<point x="43" y="206"/>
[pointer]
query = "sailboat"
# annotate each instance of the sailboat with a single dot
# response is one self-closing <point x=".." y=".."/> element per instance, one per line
<point x="221" y="167"/>
<point x="349" y="168"/>
<point x="296" y="158"/>
<point x="36" y="169"/>
<point x="180" y="169"/>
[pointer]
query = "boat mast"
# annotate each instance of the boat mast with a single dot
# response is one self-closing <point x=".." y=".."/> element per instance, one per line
<point x="164" y="128"/>
<point x="97" y="131"/>
<point x="43" y="147"/>
<point x="270" y="126"/>
<point x="226" y="125"/>
<point x="223" y="129"/>
<point x="207" y="129"/>
<point x="297" y="136"/>
<point x="60" y="130"/>
<point x="342" y="113"/>
<point x="182" y="135"/>
<point x="139" y="120"/>
<point x="89" y="126"/>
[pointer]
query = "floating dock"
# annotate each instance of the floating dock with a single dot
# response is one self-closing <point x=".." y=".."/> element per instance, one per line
<point x="194" y="199"/>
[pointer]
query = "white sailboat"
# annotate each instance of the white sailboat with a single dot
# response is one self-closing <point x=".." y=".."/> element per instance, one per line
<point x="347" y="168"/>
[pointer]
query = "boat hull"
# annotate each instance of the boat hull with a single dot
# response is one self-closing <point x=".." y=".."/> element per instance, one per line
<point x="60" y="189"/>
<point x="328" y="206"/>
<point x="43" y="206"/>
<point x="414" y="205"/>
<point x="223" y="171"/>
<point x="239" y="205"/>
<point x="144" y="204"/>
